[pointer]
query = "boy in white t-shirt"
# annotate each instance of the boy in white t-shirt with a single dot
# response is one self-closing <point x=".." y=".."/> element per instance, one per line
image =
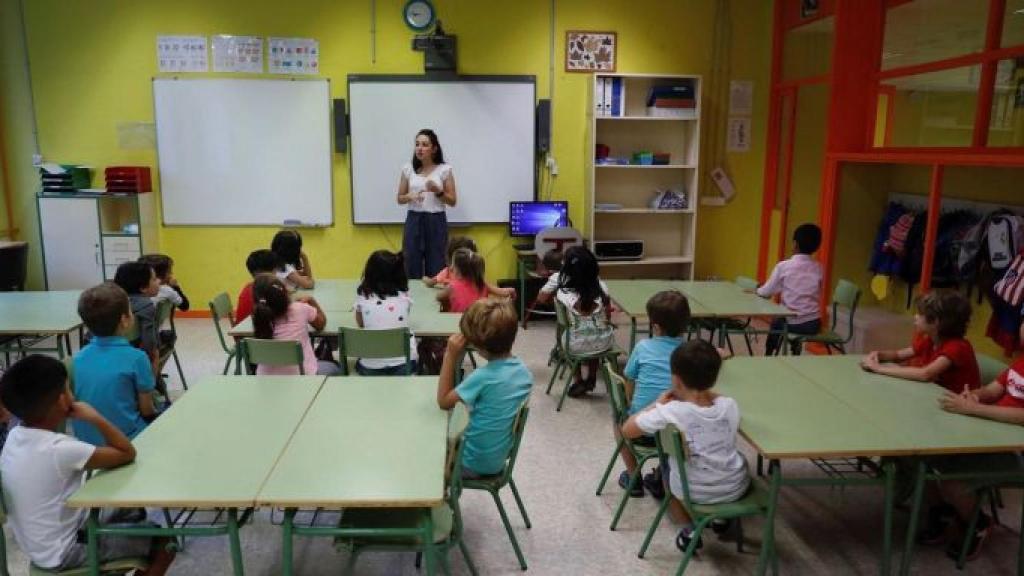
<point x="42" y="468"/>
<point x="716" y="472"/>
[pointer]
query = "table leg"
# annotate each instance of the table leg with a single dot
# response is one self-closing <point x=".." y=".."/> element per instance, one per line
<point x="889" y="469"/>
<point x="632" y="333"/>
<point x="60" y="346"/>
<point x="92" y="546"/>
<point x="286" y="547"/>
<point x="234" y="543"/>
<point x="429" y="552"/>
<point x="768" y="542"/>
<point x="915" y="512"/>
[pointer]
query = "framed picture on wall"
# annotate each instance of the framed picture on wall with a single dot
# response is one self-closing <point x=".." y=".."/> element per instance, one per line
<point x="589" y="51"/>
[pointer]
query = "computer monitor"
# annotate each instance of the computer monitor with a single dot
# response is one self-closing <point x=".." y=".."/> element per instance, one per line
<point x="529" y="218"/>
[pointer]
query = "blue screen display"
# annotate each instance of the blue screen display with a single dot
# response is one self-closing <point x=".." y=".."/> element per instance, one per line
<point x="529" y="218"/>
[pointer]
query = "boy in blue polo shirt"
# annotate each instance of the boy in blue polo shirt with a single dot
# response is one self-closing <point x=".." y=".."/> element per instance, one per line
<point x="494" y="392"/>
<point x="648" y="373"/>
<point x="110" y="374"/>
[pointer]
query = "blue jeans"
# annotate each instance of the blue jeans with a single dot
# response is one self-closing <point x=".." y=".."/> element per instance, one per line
<point x="774" y="341"/>
<point x="424" y="242"/>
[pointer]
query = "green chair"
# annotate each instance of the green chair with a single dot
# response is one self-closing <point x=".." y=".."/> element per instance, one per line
<point x="988" y="490"/>
<point x="272" y="352"/>
<point x="620" y="413"/>
<point x="846" y="295"/>
<point x="165" y="315"/>
<point x="397" y="529"/>
<point x="220" y="308"/>
<point x="989" y="368"/>
<point x="569" y="360"/>
<point x="363" y="343"/>
<point x="740" y="326"/>
<point x="754" y="503"/>
<point x="494" y="484"/>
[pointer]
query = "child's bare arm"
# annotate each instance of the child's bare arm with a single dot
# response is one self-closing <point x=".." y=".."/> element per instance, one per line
<point x="359" y="318"/>
<point x="119" y="449"/>
<point x="447" y="397"/>
<point x="429" y="282"/>
<point x="320" y="322"/>
<point x="444" y="295"/>
<point x="304" y="282"/>
<point x="493" y="290"/>
<point x="146" y="404"/>
<point x="969" y="405"/>
<point x="990" y="392"/>
<point x="929" y="373"/>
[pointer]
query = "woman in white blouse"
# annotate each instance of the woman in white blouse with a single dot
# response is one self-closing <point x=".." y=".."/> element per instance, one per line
<point x="427" y="187"/>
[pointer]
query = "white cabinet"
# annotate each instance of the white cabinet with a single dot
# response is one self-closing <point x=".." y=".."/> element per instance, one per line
<point x="70" y="229"/>
<point x="87" y="236"/>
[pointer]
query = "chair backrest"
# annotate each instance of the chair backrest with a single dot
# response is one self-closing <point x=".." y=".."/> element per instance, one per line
<point x="670" y="442"/>
<point x="458" y="420"/>
<point x="13" y="266"/>
<point x="220" y="307"/>
<point x="565" y="237"/>
<point x="617" y="395"/>
<point x="989" y="368"/>
<point x="846" y="295"/>
<point x="364" y="343"/>
<point x="746" y="282"/>
<point x="518" y="428"/>
<point x="164" y="312"/>
<point x="273" y="352"/>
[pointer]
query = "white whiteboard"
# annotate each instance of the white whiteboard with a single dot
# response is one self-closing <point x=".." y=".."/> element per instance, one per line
<point x="237" y="152"/>
<point x="485" y="127"/>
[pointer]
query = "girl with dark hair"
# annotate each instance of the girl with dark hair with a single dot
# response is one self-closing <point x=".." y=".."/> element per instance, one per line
<point x="295" y="270"/>
<point x="427" y="186"/>
<point x="275" y="316"/>
<point x="382" y="302"/>
<point x="585" y="298"/>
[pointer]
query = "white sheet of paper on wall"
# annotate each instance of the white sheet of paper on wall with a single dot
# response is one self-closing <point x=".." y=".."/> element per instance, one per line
<point x="741" y="97"/>
<point x="181" y="54"/>
<point x="237" y="53"/>
<point x="293" y="56"/>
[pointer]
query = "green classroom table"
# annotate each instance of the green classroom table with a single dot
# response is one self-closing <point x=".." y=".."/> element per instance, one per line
<point x="385" y="439"/>
<point x="213" y="448"/>
<point x="909" y="413"/>
<point x="337" y="296"/>
<point x="41" y="314"/>
<point x="785" y="415"/>
<point x="709" y="300"/>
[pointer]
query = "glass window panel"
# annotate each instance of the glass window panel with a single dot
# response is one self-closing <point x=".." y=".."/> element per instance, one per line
<point x="934" y="109"/>
<point x="1006" y="127"/>
<point x="930" y="30"/>
<point x="1013" y="24"/>
<point x="807" y="49"/>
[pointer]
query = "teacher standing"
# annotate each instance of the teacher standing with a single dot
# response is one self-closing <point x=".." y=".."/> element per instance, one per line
<point x="427" y="187"/>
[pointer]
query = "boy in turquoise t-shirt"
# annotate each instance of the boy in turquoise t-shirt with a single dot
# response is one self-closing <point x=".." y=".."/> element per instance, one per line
<point x="110" y="374"/>
<point x="648" y="373"/>
<point x="494" y="392"/>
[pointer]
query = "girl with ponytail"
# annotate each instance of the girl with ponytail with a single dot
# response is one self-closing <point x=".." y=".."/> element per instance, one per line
<point x="275" y="316"/>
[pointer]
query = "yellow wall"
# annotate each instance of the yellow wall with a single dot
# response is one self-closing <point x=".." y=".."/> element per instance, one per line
<point x="98" y="75"/>
<point x="18" y="140"/>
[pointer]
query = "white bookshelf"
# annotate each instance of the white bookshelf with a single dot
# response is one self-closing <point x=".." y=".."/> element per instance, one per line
<point x="669" y="235"/>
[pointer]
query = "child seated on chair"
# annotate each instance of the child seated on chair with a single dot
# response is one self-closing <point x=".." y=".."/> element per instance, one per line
<point x="169" y="290"/>
<point x="259" y="262"/>
<point x="277" y="317"/>
<point x="493" y="392"/>
<point x="294" y="268"/>
<point x="466" y="283"/>
<point x="139" y="281"/>
<point x="798" y="281"/>
<point x="1001" y="400"/>
<point x="584" y="295"/>
<point x="109" y="373"/>
<point x="939" y="352"/>
<point x="648" y="372"/>
<point x="716" y="471"/>
<point x="444" y="276"/>
<point x="42" y="468"/>
<point x="383" y="302"/>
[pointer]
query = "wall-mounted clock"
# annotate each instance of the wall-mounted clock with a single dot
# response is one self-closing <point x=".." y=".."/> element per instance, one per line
<point x="419" y="15"/>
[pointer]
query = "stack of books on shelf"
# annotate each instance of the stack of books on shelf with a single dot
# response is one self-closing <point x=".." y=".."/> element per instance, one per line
<point x="610" y="99"/>
<point x="64" y="177"/>
<point x="128" y="179"/>
<point x="677" y="100"/>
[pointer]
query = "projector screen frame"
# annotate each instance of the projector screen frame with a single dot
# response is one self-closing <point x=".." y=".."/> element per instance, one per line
<point x="443" y="79"/>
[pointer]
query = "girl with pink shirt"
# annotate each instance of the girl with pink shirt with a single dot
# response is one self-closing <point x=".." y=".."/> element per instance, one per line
<point x="466" y="284"/>
<point x="275" y="316"/>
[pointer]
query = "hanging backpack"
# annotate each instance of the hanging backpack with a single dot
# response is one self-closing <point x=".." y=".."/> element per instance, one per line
<point x="590" y="334"/>
<point x="1010" y="288"/>
<point x="1004" y="239"/>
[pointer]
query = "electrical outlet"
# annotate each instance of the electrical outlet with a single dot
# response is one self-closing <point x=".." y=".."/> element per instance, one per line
<point x="37" y="160"/>
<point x="552" y="165"/>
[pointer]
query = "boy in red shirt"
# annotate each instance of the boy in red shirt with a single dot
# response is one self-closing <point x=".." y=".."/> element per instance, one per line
<point x="939" y="352"/>
<point x="258" y="262"/>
